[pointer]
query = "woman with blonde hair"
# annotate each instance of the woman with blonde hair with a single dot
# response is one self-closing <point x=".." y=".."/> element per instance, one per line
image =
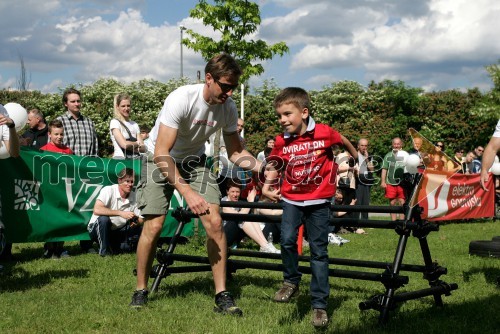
<point x="127" y="143"/>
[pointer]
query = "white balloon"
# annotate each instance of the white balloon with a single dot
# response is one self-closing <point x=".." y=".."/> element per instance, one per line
<point x="412" y="161"/>
<point x="495" y="168"/>
<point x="18" y="114"/>
<point x="412" y="169"/>
<point x="4" y="154"/>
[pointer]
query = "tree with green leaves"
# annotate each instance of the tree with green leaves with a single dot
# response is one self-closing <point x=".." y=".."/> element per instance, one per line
<point x="235" y="20"/>
<point x="489" y="106"/>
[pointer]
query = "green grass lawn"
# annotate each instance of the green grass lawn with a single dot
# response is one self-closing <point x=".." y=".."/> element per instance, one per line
<point x="89" y="294"/>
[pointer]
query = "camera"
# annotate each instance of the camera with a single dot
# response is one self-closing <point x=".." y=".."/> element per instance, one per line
<point x="133" y="220"/>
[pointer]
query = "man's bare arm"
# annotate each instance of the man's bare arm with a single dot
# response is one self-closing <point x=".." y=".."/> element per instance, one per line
<point x="488" y="158"/>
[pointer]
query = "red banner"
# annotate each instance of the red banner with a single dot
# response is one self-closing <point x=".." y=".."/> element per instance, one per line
<point x="445" y="196"/>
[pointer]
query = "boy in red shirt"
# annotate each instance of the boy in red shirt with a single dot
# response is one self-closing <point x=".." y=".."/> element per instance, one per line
<point x="55" y="144"/>
<point x="304" y="156"/>
<point x="56" y="136"/>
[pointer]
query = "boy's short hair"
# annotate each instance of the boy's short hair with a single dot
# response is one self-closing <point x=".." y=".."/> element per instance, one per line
<point x="55" y="123"/>
<point x="233" y="183"/>
<point x="294" y="95"/>
<point x="144" y="128"/>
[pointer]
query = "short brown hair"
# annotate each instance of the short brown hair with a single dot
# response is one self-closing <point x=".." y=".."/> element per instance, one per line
<point x="68" y="91"/>
<point x="125" y="172"/>
<point x="223" y="65"/>
<point x="233" y="183"/>
<point x="294" y="95"/>
<point x="55" y="123"/>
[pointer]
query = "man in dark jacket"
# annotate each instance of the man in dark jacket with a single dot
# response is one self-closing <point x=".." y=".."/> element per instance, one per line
<point x="37" y="134"/>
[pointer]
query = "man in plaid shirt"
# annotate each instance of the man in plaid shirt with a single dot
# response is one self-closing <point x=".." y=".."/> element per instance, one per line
<point x="80" y="134"/>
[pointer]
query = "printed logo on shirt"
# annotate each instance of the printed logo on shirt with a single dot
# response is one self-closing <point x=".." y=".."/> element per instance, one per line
<point x="204" y="122"/>
<point x="26" y="195"/>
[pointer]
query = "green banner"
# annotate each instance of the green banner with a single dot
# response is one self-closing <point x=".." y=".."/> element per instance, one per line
<point x="49" y="196"/>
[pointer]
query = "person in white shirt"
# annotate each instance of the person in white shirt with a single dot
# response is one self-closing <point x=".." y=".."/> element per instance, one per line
<point x="116" y="217"/>
<point x="9" y="144"/>
<point x="8" y="134"/>
<point x="125" y="133"/>
<point x="489" y="155"/>
<point x="269" y="143"/>
<point x="190" y="115"/>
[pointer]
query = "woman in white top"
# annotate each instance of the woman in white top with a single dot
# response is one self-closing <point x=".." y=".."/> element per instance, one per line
<point x="125" y="134"/>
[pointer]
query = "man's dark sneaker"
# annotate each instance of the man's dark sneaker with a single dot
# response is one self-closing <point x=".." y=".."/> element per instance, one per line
<point x="139" y="298"/>
<point x="319" y="318"/>
<point x="224" y="303"/>
<point x="286" y="292"/>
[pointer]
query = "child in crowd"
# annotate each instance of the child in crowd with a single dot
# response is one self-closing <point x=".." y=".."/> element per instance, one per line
<point x="55" y="250"/>
<point x="236" y="230"/>
<point x="304" y="156"/>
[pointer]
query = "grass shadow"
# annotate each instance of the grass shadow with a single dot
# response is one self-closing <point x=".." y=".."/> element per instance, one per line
<point x="18" y="279"/>
<point x="458" y="318"/>
<point x="198" y="284"/>
<point x="491" y="275"/>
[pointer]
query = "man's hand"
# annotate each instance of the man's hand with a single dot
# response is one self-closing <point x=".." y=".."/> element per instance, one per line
<point x="485" y="176"/>
<point x="127" y="215"/>
<point x="196" y="203"/>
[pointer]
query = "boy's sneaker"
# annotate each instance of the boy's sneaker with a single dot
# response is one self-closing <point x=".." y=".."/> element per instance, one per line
<point x="319" y="318"/>
<point x="287" y="292"/>
<point x="269" y="248"/>
<point x="139" y="298"/>
<point x="224" y="303"/>
<point x="336" y="240"/>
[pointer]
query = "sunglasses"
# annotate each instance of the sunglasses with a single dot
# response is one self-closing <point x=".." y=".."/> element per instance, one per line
<point x="440" y="146"/>
<point x="225" y="87"/>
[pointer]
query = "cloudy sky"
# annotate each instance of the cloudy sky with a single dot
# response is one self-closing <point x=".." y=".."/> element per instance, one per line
<point x="432" y="44"/>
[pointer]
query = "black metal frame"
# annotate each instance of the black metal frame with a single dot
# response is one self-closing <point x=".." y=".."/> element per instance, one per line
<point x="390" y="277"/>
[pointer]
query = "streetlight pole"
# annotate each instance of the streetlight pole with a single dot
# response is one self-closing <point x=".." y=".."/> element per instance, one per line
<point x="182" y="28"/>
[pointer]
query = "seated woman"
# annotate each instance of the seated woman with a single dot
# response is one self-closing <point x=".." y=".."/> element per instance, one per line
<point x="235" y="230"/>
<point x="347" y="170"/>
<point x="333" y="237"/>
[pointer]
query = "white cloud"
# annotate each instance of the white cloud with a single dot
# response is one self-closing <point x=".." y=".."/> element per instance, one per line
<point x="8" y="83"/>
<point x="455" y="38"/>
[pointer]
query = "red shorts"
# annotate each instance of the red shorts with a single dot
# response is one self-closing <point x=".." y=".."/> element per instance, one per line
<point x="392" y="192"/>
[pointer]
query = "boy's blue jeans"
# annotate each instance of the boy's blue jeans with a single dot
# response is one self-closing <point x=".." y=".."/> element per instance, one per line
<point x="317" y="220"/>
